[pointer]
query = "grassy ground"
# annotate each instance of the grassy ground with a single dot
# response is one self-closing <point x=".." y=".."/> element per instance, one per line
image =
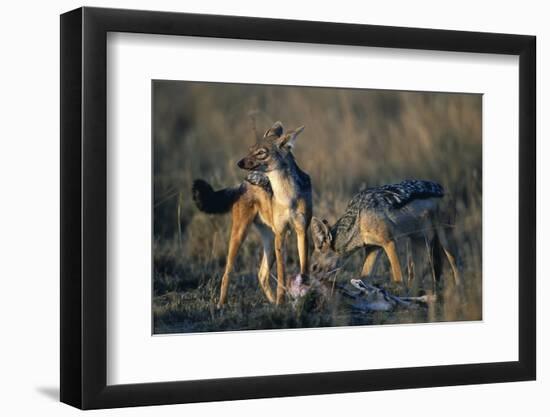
<point x="353" y="139"/>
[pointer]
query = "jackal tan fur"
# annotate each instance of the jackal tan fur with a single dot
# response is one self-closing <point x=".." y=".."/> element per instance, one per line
<point x="377" y="218"/>
<point x="275" y="196"/>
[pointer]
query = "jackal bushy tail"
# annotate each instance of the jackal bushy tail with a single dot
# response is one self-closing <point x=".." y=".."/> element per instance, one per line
<point x="214" y="202"/>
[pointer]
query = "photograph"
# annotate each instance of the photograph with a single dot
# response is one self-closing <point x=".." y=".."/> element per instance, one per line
<point x="280" y="207"/>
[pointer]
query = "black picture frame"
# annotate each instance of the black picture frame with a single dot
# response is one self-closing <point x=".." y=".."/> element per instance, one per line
<point x="84" y="207"/>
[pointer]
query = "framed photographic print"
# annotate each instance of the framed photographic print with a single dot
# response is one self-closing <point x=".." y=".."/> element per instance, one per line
<point x="256" y="208"/>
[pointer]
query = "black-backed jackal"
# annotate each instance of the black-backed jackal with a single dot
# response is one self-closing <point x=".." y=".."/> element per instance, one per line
<point x="276" y="195"/>
<point x="376" y="218"/>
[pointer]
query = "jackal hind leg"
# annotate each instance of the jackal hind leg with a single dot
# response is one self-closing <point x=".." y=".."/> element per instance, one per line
<point x="436" y="264"/>
<point x="267" y="260"/>
<point x="411" y="267"/>
<point x="449" y="250"/>
<point x="454" y="267"/>
<point x="242" y="216"/>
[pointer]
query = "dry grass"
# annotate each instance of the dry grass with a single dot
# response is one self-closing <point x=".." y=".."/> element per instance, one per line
<point x="353" y="139"/>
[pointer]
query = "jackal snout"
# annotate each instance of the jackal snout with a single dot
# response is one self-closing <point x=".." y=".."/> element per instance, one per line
<point x="249" y="163"/>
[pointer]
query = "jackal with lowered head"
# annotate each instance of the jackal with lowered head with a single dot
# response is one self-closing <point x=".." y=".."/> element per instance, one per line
<point x="376" y="218"/>
<point x="275" y="196"/>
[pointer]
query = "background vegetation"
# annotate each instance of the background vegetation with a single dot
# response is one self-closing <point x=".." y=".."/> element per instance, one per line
<point x="353" y="139"/>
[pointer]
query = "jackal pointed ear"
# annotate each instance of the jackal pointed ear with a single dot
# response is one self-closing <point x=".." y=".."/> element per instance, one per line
<point x="289" y="139"/>
<point x="276" y="130"/>
<point x="321" y="233"/>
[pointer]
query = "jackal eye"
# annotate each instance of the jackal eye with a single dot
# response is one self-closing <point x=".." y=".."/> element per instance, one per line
<point x="261" y="154"/>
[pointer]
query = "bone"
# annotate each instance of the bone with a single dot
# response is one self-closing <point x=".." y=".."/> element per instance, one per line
<point x="379" y="299"/>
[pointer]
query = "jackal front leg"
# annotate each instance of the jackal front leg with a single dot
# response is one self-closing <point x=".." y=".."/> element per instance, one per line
<point x="370" y="261"/>
<point x="302" y="242"/>
<point x="391" y="252"/>
<point x="279" y="256"/>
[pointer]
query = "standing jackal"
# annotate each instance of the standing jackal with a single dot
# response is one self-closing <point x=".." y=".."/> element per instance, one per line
<point x="275" y="195"/>
<point x="377" y="217"/>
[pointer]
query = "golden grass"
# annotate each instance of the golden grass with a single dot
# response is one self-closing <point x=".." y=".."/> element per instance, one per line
<point x="353" y="139"/>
